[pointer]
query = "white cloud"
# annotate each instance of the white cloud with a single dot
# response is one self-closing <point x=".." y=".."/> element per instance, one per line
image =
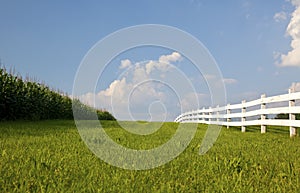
<point x="150" y="66"/>
<point x="229" y="80"/>
<point x="125" y="64"/>
<point x="280" y="16"/>
<point x="163" y="62"/>
<point x="293" y="30"/>
<point x="139" y="73"/>
<point x="115" y="85"/>
<point x="295" y="86"/>
<point x="174" y="57"/>
<point x="135" y="92"/>
<point x="87" y="99"/>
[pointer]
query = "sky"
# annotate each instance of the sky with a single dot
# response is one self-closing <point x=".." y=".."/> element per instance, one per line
<point x="256" y="45"/>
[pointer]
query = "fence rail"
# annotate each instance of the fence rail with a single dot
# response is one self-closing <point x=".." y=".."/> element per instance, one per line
<point x="225" y="116"/>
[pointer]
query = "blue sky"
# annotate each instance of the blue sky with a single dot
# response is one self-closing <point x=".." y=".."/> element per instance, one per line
<point x="255" y="49"/>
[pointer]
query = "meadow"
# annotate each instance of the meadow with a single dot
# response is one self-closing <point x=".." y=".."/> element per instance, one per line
<point x="50" y="156"/>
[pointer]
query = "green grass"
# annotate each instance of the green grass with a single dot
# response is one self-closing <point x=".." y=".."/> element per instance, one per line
<point x="49" y="156"/>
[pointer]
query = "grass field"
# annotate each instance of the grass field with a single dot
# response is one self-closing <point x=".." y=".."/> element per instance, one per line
<point x="49" y="156"/>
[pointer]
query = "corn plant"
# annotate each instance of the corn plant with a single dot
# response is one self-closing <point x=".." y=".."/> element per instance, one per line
<point x="27" y="100"/>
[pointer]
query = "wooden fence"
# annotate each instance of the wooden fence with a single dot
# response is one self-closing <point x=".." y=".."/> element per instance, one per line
<point x="240" y="114"/>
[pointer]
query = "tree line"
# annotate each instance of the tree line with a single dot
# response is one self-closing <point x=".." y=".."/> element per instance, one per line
<point x="286" y="116"/>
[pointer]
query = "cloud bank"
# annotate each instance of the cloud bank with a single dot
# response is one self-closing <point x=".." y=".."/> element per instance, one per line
<point x="154" y="90"/>
<point x="292" y="58"/>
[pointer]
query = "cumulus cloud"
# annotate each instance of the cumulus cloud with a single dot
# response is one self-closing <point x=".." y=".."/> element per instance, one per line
<point x="151" y="65"/>
<point x="125" y="64"/>
<point x="295" y="86"/>
<point x="280" y="16"/>
<point x="174" y="57"/>
<point x="115" y="85"/>
<point x="163" y="62"/>
<point x="293" y="30"/>
<point x="142" y="89"/>
<point x="87" y="99"/>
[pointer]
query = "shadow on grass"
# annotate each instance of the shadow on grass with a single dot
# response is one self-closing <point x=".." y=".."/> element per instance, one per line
<point x="272" y="129"/>
<point x="278" y="129"/>
<point x="248" y="128"/>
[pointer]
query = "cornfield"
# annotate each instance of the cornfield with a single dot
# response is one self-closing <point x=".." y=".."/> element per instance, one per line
<point x="27" y="100"/>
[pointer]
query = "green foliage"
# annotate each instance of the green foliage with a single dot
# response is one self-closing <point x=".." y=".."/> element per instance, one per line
<point x="286" y="116"/>
<point x="104" y="115"/>
<point x="34" y="101"/>
<point x="49" y="156"/>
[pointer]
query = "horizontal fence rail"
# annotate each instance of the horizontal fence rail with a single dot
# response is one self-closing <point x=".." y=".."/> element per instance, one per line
<point x="241" y="117"/>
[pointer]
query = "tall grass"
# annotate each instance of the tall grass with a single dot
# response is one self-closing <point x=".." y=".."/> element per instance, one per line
<point x="50" y="156"/>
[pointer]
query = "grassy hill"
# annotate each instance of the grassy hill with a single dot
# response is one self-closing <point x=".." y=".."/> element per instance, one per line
<point x="50" y="156"/>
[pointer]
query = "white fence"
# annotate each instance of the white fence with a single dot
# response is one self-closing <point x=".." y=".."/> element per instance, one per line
<point x="225" y="115"/>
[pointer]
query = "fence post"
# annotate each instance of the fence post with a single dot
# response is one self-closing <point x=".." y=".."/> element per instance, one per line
<point x="203" y="114"/>
<point x="193" y="115"/>
<point x="228" y="113"/>
<point x="218" y="115"/>
<point x="292" y="116"/>
<point x="243" y="119"/>
<point x="262" y="116"/>
<point x="210" y="114"/>
<point x="198" y="116"/>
